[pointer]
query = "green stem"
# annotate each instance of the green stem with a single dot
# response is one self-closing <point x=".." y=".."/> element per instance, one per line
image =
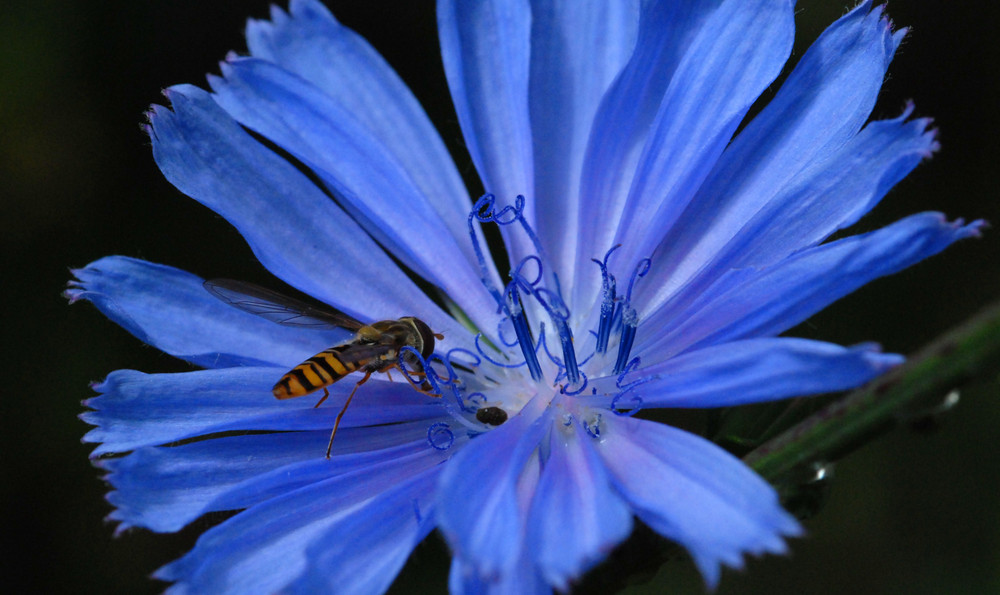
<point x="916" y="388"/>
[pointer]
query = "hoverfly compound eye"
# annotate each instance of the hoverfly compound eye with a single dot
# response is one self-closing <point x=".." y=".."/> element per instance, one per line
<point x="426" y="337"/>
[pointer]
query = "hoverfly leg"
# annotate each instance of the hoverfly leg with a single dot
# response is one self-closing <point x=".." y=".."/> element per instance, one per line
<point x="424" y="387"/>
<point x="326" y="394"/>
<point x="336" y="423"/>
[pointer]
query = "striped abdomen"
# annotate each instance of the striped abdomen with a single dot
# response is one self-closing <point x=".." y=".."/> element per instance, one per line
<point x="320" y="370"/>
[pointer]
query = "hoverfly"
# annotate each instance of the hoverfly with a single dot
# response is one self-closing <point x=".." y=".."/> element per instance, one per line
<point x="375" y="347"/>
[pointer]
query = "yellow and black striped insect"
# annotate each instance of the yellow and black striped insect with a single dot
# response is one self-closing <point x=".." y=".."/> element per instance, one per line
<point x="375" y="347"/>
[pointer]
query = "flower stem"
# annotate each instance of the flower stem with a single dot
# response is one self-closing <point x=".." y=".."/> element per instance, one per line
<point x="916" y="389"/>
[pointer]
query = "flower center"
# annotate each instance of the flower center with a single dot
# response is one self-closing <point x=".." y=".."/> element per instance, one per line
<point x="617" y="314"/>
<point x="533" y="294"/>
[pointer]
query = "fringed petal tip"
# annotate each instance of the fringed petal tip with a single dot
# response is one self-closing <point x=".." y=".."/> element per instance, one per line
<point x="169" y="573"/>
<point x="276" y="17"/>
<point x="710" y="564"/>
<point x="87" y="418"/>
<point x="226" y="65"/>
<point x="876" y="12"/>
<point x="118" y="517"/>
<point x="86" y="287"/>
<point x="73" y="294"/>
<point x="879" y="361"/>
<point x="974" y="229"/>
<point x="922" y="124"/>
<point x="75" y="287"/>
<point x="120" y="514"/>
<point x="892" y="37"/>
<point x="171" y="94"/>
<point x="156" y="111"/>
<point x="99" y="453"/>
<point x="118" y="526"/>
<point x="93" y="436"/>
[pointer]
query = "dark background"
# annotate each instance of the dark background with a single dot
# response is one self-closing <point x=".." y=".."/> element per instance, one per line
<point x="910" y="513"/>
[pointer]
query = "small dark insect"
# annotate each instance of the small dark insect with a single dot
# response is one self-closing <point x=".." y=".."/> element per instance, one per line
<point x="493" y="416"/>
<point x="375" y="347"/>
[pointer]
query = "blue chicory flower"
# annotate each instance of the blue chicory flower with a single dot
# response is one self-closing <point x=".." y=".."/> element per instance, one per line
<point x="655" y="253"/>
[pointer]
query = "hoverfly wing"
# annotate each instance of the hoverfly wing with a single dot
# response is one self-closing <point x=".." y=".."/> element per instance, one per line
<point x="360" y="355"/>
<point x="277" y="307"/>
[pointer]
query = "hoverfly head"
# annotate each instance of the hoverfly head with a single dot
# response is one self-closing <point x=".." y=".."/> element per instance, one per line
<point x="426" y="336"/>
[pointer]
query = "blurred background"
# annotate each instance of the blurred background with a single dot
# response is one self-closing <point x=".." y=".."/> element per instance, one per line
<point x="910" y="513"/>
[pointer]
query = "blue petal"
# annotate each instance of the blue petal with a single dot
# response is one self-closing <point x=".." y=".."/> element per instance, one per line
<point x="363" y="552"/>
<point x="164" y="489"/>
<point x="762" y="302"/>
<point x="486" y="51"/>
<point x="833" y="194"/>
<point x="577" y="49"/>
<point x="264" y="548"/>
<point x="361" y="449"/>
<point x="294" y="229"/>
<point x="361" y="171"/>
<point x="478" y="509"/>
<point x="623" y="121"/>
<point x="803" y="138"/>
<point x="825" y="198"/>
<point x="739" y="53"/>
<point x="171" y="310"/>
<point x="463" y="580"/>
<point x="340" y="63"/>
<point x="137" y="409"/>
<point x="695" y="493"/>
<point x="576" y="518"/>
<point x="731" y="56"/>
<point x="755" y="370"/>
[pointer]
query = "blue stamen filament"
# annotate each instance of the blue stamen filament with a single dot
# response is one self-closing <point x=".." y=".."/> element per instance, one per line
<point x="569" y="354"/>
<point x="558" y="313"/>
<point x="617" y="315"/>
<point x="580" y="382"/>
<point x="520" y="322"/>
<point x="629" y="317"/>
<point x="627" y="337"/>
<point x="604" y="329"/>
<point x="608" y="287"/>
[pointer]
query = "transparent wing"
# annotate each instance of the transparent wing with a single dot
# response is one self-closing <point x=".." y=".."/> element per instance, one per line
<point x="277" y="307"/>
<point x="359" y="355"/>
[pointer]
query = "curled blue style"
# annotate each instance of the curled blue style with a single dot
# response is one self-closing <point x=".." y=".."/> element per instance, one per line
<point x="440" y="436"/>
<point x="634" y="406"/>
